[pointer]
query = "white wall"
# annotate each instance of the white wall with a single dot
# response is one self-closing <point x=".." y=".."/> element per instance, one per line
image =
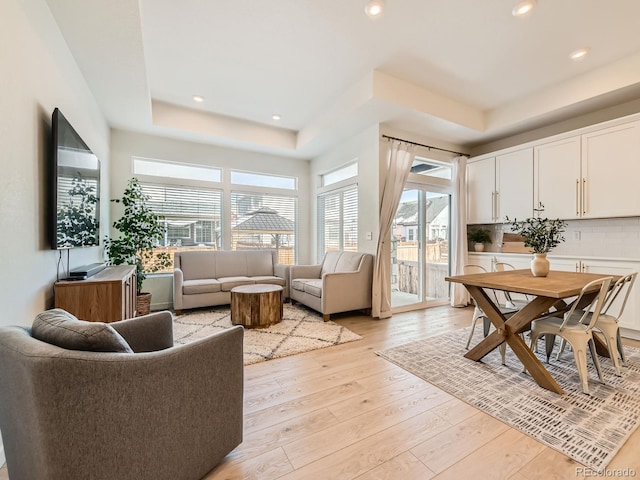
<point x="38" y="74"/>
<point x="363" y="148"/>
<point x="126" y="144"/>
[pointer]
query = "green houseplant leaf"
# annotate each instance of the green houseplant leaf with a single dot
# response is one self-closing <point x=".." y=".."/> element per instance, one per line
<point x="140" y="231"/>
<point x="541" y="234"/>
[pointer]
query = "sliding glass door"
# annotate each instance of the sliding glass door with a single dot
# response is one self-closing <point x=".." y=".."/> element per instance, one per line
<point x="420" y="248"/>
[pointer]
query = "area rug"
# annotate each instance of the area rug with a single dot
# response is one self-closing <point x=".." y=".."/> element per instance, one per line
<point x="301" y="330"/>
<point x="590" y="429"/>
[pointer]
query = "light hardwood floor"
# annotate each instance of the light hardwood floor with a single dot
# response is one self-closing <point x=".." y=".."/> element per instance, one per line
<point x="345" y="413"/>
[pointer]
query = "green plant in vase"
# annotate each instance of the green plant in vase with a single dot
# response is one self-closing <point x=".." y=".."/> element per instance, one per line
<point x="542" y="235"/>
<point x="478" y="237"/>
<point x="141" y="230"/>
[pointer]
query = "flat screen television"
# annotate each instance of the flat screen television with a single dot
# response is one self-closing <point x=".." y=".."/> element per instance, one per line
<point x="75" y="188"/>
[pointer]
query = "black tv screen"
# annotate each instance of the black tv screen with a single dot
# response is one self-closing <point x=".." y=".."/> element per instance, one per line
<point x="76" y="188"/>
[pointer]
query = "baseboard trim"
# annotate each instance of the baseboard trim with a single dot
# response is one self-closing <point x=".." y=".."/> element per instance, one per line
<point x="161" y="306"/>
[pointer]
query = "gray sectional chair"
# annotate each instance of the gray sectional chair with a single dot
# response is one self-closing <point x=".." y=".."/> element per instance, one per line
<point x="205" y="278"/>
<point x="341" y="283"/>
<point x="160" y="412"/>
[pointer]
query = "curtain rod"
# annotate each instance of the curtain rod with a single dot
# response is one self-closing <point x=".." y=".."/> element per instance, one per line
<point x="423" y="145"/>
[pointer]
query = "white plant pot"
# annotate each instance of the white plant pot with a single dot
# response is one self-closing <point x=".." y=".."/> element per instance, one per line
<point x="478" y="247"/>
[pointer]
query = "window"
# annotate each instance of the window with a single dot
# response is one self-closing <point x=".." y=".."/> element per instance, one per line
<point x="340" y="174"/>
<point x="262" y="180"/>
<point x="338" y="220"/>
<point x="432" y="168"/>
<point x="160" y="168"/>
<point x="265" y="221"/>
<point x="192" y="216"/>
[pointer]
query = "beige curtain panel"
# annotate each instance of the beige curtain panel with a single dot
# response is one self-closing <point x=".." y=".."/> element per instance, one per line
<point x="400" y="159"/>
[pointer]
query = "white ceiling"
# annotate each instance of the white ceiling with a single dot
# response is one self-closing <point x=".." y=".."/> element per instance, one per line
<point x="461" y="71"/>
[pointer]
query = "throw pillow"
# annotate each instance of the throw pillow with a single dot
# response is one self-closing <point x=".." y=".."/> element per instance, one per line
<point x="58" y="327"/>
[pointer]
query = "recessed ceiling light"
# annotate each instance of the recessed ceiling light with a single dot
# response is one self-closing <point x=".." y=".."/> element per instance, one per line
<point x="578" y="54"/>
<point x="276" y="117"/>
<point x="523" y="8"/>
<point x="198" y="98"/>
<point x="374" y="8"/>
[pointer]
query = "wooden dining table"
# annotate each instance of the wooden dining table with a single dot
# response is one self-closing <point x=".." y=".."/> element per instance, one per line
<point x="549" y="291"/>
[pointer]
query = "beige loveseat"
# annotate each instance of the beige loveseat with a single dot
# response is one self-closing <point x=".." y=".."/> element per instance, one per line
<point x="341" y="283"/>
<point x="205" y="278"/>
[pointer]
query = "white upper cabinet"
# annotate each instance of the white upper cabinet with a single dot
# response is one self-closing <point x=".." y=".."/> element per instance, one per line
<point x="611" y="171"/>
<point x="514" y="182"/>
<point x="500" y="186"/>
<point x="557" y="178"/>
<point x="481" y="189"/>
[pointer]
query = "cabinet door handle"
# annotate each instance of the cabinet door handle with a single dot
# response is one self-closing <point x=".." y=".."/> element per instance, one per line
<point x="577" y="197"/>
<point x="577" y="267"/>
<point x="493" y="205"/>
<point x="584" y="196"/>
<point x="497" y="212"/>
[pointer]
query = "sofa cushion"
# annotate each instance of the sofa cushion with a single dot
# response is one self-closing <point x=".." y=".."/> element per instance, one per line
<point x="230" y="264"/>
<point x="227" y="283"/>
<point x="196" y="265"/>
<point x="298" y="284"/>
<point x="313" y="287"/>
<point x="206" y="285"/>
<point x="269" y="279"/>
<point x="60" y="328"/>
<point x="348" y="262"/>
<point x="259" y="263"/>
<point x="330" y="261"/>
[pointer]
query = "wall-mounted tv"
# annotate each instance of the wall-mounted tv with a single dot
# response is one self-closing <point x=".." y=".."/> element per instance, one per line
<point x="75" y="187"/>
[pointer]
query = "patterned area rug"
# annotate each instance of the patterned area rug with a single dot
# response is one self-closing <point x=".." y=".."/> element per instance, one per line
<point x="587" y="428"/>
<point x="301" y="330"/>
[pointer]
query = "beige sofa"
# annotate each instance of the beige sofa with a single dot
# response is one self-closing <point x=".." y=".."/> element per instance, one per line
<point x="205" y="278"/>
<point x="341" y="283"/>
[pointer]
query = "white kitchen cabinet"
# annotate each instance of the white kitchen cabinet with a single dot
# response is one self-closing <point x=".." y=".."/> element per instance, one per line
<point x="593" y="175"/>
<point x="557" y="178"/>
<point x="500" y="186"/>
<point x="610" y="172"/>
<point x="481" y="185"/>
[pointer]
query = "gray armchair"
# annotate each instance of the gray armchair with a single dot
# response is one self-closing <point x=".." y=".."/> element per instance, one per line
<point x="341" y="283"/>
<point x="162" y="412"/>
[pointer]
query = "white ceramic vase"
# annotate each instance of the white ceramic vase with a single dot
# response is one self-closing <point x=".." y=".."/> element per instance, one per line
<point x="478" y="247"/>
<point x="540" y="265"/>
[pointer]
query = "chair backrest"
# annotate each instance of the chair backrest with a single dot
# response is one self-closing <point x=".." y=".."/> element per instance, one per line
<point x="615" y="292"/>
<point x="469" y="269"/>
<point x="502" y="266"/>
<point x="592" y="311"/>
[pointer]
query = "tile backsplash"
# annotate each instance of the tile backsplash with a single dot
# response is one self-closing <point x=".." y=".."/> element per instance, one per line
<point x="607" y="238"/>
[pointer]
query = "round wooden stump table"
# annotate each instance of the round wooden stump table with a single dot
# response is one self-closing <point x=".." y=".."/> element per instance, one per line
<point x="256" y="306"/>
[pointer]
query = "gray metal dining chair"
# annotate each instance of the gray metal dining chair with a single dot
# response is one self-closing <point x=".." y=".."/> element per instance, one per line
<point x="576" y="327"/>
<point x="608" y="319"/>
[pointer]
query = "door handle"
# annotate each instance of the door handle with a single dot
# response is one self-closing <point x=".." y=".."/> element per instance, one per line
<point x="584" y="196"/>
<point x="577" y="197"/>
<point x="497" y="214"/>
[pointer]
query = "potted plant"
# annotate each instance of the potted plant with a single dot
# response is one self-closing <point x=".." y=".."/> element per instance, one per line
<point x="141" y="230"/>
<point x="542" y="235"/>
<point x="479" y="236"/>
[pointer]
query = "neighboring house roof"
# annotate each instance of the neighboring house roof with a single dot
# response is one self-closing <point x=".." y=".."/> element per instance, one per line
<point x="407" y="213"/>
<point x="266" y="220"/>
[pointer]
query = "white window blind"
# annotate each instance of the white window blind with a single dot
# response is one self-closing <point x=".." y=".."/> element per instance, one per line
<point x="338" y="220"/>
<point x="192" y="216"/>
<point x="265" y="221"/>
